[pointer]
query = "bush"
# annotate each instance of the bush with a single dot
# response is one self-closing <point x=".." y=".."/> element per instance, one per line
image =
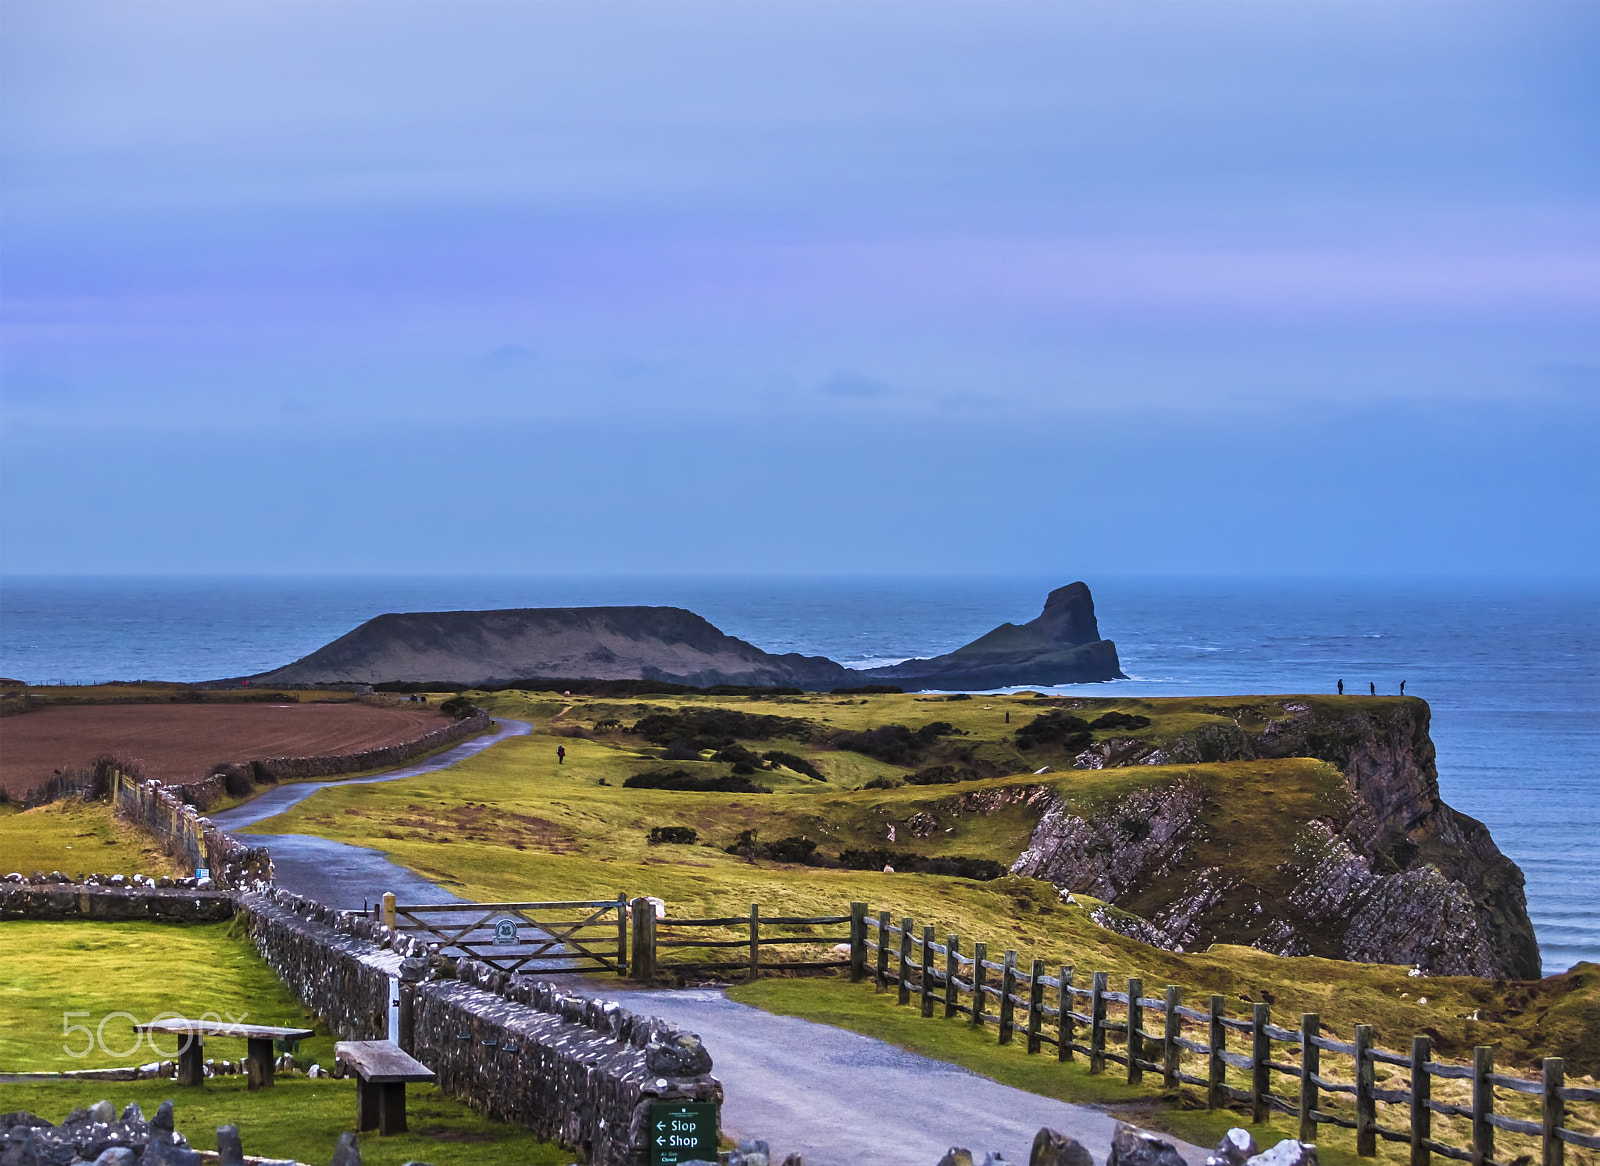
<point x="458" y="707"/>
<point x="713" y="728"/>
<point x="736" y="755"/>
<point x="684" y="750"/>
<point x="1054" y="728"/>
<point x="905" y="862"/>
<point x="791" y="761"/>
<point x="887" y="781"/>
<point x="1119" y="721"/>
<point x="683" y="835"/>
<point x="895" y="744"/>
<point x="792" y="849"/>
<point x="681" y="780"/>
<point x="235" y="779"/>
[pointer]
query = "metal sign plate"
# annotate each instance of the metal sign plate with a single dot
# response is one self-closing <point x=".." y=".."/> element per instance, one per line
<point x="505" y="933"/>
<point x="682" y="1131"/>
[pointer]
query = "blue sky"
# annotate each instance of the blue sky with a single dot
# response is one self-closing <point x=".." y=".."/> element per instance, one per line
<point x="800" y="288"/>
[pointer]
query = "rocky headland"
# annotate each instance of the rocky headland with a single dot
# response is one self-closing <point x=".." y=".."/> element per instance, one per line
<point x="1370" y="865"/>
<point x="672" y="645"/>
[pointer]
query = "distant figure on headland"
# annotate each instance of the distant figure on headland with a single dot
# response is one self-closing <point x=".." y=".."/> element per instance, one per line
<point x="1341" y="688"/>
<point x="1402" y="688"/>
<point x="1373" y="689"/>
<point x="561" y="754"/>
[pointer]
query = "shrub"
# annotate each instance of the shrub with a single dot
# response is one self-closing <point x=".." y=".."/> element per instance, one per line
<point x="1054" y="728"/>
<point x="713" y="727"/>
<point x="791" y="761"/>
<point x="736" y="755"/>
<point x="683" y="835"/>
<point x="895" y="744"/>
<point x="1119" y="721"/>
<point x="607" y="725"/>
<point x="458" y="707"/>
<point x="684" y="750"/>
<point x="904" y="861"/>
<point x="681" y="780"/>
<point x="792" y="849"/>
<point x="235" y="779"/>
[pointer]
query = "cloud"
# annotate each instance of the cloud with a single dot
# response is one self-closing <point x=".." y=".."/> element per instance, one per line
<point x="854" y="386"/>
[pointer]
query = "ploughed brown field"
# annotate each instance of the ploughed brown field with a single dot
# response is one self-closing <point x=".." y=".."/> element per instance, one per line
<point x="182" y="742"/>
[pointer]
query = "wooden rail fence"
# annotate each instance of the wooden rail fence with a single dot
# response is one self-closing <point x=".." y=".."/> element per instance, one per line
<point x="701" y="944"/>
<point x="1152" y="1034"/>
<point x="595" y="941"/>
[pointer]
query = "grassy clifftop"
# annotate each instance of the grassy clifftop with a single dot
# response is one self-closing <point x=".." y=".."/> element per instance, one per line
<point x="513" y="823"/>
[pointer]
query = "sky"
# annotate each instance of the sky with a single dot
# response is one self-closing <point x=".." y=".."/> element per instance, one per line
<point x="836" y="288"/>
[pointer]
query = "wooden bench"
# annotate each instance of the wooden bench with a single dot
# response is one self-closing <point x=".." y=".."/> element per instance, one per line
<point x="382" y="1070"/>
<point x="258" y="1040"/>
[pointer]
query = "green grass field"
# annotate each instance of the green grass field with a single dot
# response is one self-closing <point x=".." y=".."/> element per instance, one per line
<point x="77" y="838"/>
<point x="74" y="986"/>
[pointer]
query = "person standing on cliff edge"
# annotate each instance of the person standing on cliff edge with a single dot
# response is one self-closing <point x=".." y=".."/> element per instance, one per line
<point x="1372" y="689"/>
<point x="1341" y="688"/>
<point x="1402" y="688"/>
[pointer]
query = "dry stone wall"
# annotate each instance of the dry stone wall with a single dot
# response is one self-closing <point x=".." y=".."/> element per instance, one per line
<point x="185" y="834"/>
<point x="382" y="757"/>
<point x="23" y="898"/>
<point x="571" y="1068"/>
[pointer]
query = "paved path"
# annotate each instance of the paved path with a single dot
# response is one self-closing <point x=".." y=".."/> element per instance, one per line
<point x="338" y="873"/>
<point x="836" y="1097"/>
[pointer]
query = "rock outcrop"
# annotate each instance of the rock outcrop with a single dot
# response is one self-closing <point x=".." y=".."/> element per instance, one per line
<point x="675" y="646"/>
<point x="1061" y="646"/>
<point x="1383" y="872"/>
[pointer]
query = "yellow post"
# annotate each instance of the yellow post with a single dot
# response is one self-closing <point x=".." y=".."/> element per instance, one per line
<point x="388" y="909"/>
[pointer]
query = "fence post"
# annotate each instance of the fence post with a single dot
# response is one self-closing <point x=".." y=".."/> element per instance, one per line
<point x="1008" y="990"/>
<point x="858" y="942"/>
<point x="979" y="950"/>
<point x="1097" y="1023"/>
<point x="622" y="934"/>
<point x="1260" y="1054"/>
<point x="1169" y="1038"/>
<point x="906" y="926"/>
<point x="1135" y="1030"/>
<point x="755" y="939"/>
<point x="644" y="915"/>
<point x="1035" y="1003"/>
<point x="1216" y="1041"/>
<point x="883" y="950"/>
<point x="388" y="910"/>
<point x="1310" y="1067"/>
<point x="952" y="969"/>
<point x="1421" y="1094"/>
<point x="1555" y="1109"/>
<point x="927" y="970"/>
<point x="1065" y="1002"/>
<point x="1482" y="1105"/>
<point x="1366" y="1110"/>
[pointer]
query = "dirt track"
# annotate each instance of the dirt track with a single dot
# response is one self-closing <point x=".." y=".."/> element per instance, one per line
<point x="181" y="742"/>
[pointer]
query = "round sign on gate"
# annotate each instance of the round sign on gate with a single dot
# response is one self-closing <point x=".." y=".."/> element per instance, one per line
<point x="505" y="932"/>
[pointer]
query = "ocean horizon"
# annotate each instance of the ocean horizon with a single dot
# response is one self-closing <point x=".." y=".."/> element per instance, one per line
<point x="1508" y="666"/>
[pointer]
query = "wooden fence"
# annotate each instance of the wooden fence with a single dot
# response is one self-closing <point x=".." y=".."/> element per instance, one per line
<point x="1096" y="1022"/>
<point x="700" y="944"/>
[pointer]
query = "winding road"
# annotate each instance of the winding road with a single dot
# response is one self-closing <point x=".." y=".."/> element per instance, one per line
<point x="836" y="1097"/>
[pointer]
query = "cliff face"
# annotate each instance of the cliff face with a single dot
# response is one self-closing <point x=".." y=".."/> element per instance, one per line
<point x="603" y="643"/>
<point x="1359" y="859"/>
<point x="1061" y="646"/>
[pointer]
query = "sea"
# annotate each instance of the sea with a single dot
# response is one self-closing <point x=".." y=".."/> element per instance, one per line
<point x="1511" y="669"/>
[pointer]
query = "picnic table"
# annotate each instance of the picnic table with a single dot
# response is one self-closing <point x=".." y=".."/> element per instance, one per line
<point x="258" y="1040"/>
<point x="382" y="1069"/>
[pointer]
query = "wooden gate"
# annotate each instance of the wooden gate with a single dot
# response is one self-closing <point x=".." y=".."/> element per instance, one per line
<point x="582" y="936"/>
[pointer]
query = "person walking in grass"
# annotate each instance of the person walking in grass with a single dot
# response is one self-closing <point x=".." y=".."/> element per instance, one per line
<point x="561" y="754"/>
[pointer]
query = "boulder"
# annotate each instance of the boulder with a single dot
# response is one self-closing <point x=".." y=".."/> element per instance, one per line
<point x="347" y="1152"/>
<point x="1287" y="1153"/>
<point x="1056" y="1149"/>
<point x="1131" y="1146"/>
<point x="679" y="1055"/>
<point x="1236" y="1148"/>
<point x="230" y="1151"/>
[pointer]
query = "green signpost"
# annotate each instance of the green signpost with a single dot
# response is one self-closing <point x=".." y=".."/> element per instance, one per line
<point x="682" y="1131"/>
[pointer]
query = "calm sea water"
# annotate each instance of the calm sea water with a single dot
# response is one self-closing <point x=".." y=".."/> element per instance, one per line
<point x="1512" y="671"/>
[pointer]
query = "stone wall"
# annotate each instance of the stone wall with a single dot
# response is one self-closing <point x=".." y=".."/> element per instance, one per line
<point x="382" y="757"/>
<point x="184" y="834"/>
<point x="577" y="1070"/>
<point x="49" y="899"/>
